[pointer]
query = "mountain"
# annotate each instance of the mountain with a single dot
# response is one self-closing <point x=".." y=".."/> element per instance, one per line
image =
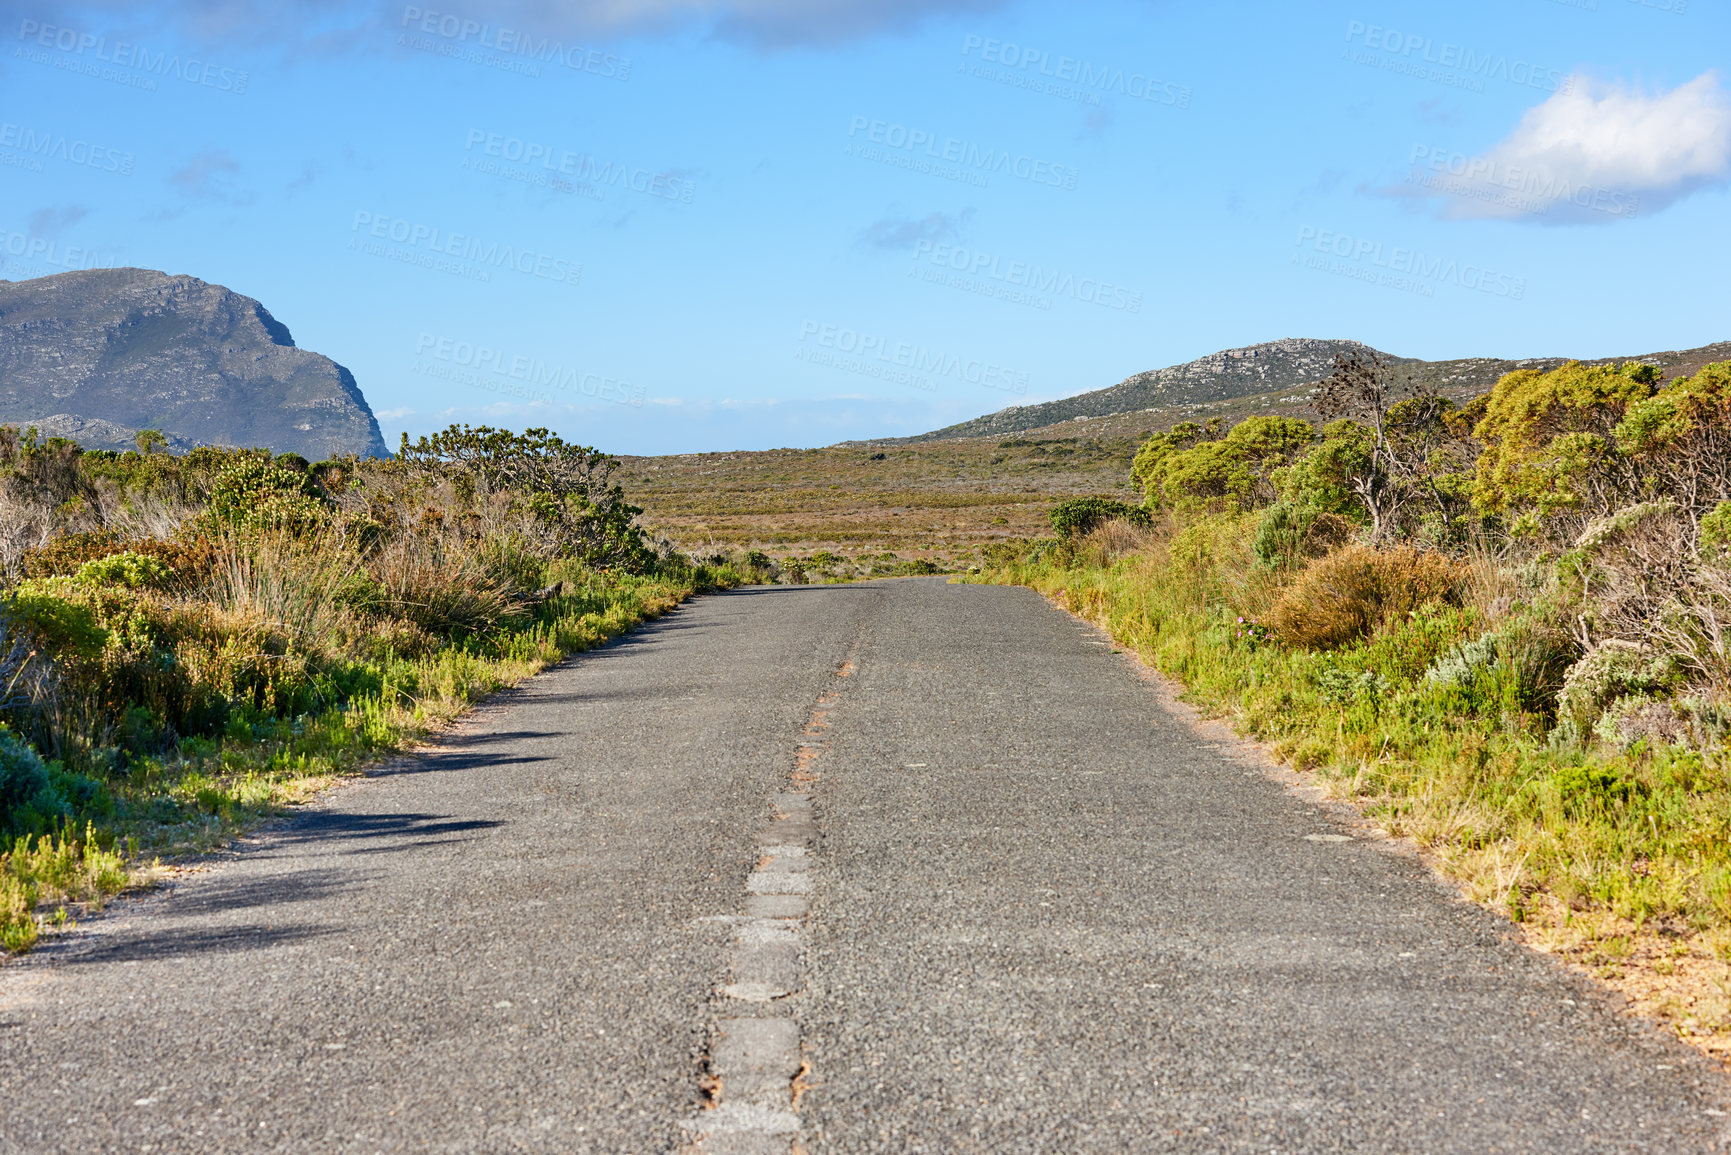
<point x="99" y="354"/>
<point x="1255" y="377"/>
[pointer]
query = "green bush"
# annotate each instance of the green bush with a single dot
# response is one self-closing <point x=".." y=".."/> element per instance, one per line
<point x="1232" y="472"/>
<point x="254" y="492"/>
<point x="1289" y="533"/>
<point x="28" y="800"/>
<point x="128" y="569"/>
<point x="1082" y="515"/>
<point x="1587" y="788"/>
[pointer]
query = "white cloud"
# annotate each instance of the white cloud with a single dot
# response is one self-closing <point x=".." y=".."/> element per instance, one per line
<point x="1590" y="153"/>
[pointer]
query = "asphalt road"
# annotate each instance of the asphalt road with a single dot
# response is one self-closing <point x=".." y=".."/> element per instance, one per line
<point x="1045" y="914"/>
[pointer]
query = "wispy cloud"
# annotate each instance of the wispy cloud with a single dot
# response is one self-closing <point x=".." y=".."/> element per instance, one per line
<point x="49" y="221"/>
<point x="209" y="174"/>
<point x="1590" y="153"/>
<point x="311" y="24"/>
<point x="894" y="232"/>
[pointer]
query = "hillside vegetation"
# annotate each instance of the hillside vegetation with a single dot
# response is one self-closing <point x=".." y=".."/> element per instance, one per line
<point x="1501" y="626"/>
<point x="188" y="643"/>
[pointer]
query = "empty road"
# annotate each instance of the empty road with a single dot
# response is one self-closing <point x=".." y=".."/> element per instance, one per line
<point x="896" y="866"/>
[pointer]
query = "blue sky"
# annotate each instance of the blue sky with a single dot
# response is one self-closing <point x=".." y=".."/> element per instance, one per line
<point x="680" y="225"/>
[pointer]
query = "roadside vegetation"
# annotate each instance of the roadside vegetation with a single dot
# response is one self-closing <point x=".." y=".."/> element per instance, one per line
<point x="191" y="643"/>
<point x="1501" y="627"/>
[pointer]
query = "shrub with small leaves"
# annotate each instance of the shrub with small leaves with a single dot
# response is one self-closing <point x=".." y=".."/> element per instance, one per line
<point x="1587" y="787"/>
<point x="28" y="800"/>
<point x="1463" y="663"/>
<point x="1611" y="670"/>
<point x="254" y="492"/>
<point x="1640" y="717"/>
<point x="1716" y="536"/>
<point x="1290" y="533"/>
<point x="131" y="570"/>
<point x="1345" y="688"/>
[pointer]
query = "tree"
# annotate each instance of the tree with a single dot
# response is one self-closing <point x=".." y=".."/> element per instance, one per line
<point x="567" y="488"/>
<point x="1679" y="441"/>
<point x="1402" y="457"/>
<point x="1362" y="389"/>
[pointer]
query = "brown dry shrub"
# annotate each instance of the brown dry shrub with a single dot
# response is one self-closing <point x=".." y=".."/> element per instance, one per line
<point x="67" y="552"/>
<point x="1354" y="592"/>
<point x="1329" y="531"/>
<point x="192" y="557"/>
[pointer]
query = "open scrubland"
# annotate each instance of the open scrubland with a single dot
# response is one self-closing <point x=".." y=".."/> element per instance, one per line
<point x="868" y="510"/>
<point x="190" y="643"/>
<point x="1499" y="626"/>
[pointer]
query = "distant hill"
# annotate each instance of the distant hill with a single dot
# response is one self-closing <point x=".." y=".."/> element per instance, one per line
<point x="98" y="355"/>
<point x="1273" y="377"/>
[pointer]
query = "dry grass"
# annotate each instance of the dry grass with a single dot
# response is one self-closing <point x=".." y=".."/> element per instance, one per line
<point x="940" y="501"/>
<point x="1116" y="539"/>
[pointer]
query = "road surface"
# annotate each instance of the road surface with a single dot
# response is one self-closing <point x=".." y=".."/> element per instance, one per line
<point x="896" y="866"/>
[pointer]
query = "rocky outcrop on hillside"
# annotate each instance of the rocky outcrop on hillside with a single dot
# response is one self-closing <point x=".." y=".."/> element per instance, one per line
<point x="100" y="354"/>
<point x="1264" y="372"/>
<point x="1272" y="365"/>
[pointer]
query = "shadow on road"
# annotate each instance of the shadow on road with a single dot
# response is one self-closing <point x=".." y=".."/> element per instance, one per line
<point x="301" y="886"/>
<point x="176" y="943"/>
<point x="402" y="830"/>
<point x="454" y="754"/>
